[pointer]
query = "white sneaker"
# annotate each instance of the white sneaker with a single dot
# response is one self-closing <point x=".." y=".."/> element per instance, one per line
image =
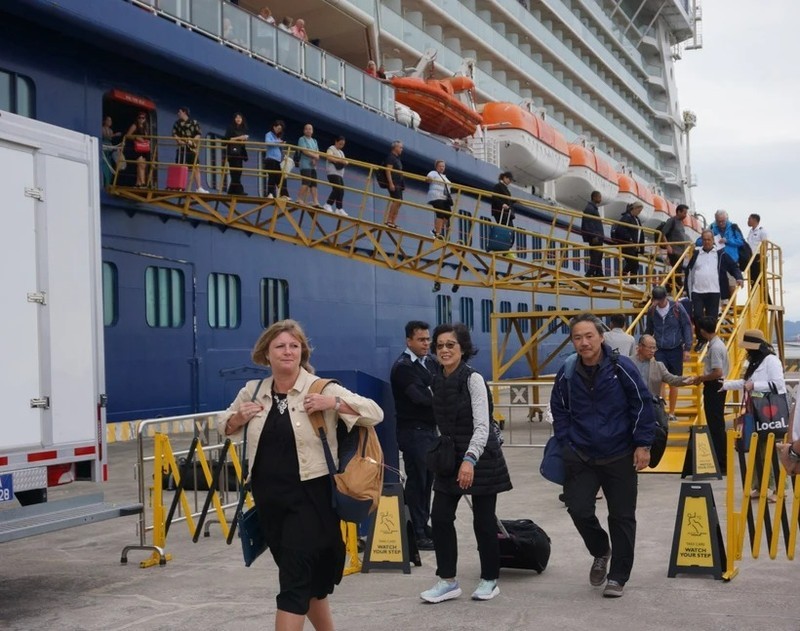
<point x="200" y="189"/>
<point x="329" y="208"/>
<point x="486" y="590"/>
<point x="443" y="590"/>
<point x="286" y="197"/>
<point x="342" y="212"/>
<point x="270" y="196"/>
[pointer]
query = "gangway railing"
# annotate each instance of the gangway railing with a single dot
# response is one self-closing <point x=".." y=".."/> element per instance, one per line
<point x="461" y="258"/>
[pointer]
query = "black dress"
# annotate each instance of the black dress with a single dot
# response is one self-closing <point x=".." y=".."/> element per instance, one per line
<point x="301" y="528"/>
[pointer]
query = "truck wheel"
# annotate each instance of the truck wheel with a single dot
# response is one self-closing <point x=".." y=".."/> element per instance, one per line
<point x="34" y="496"/>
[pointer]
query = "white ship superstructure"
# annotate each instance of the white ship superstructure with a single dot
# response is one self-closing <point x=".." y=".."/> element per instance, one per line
<point x="601" y="72"/>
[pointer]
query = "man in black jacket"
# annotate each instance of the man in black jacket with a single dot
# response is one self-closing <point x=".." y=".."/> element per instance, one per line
<point x="411" y="378"/>
<point x="592" y="232"/>
<point x="631" y="233"/>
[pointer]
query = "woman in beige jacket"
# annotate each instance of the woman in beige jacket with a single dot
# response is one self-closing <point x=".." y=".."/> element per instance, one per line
<point x="289" y="476"/>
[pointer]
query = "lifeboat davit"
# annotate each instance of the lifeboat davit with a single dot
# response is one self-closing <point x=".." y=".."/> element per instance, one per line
<point x="529" y="147"/>
<point x="631" y="191"/>
<point x="445" y="105"/>
<point x="586" y="173"/>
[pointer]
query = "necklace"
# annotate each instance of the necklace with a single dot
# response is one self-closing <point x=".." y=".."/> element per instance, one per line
<point x="281" y="402"/>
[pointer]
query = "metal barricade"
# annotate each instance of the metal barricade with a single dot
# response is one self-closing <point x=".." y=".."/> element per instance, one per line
<point x="210" y="468"/>
<point x="522" y="409"/>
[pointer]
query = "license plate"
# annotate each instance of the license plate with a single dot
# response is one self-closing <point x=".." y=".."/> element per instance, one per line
<point x="6" y="487"/>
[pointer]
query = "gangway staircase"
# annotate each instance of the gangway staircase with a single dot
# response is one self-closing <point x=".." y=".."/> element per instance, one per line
<point x="461" y="260"/>
<point x="552" y="267"/>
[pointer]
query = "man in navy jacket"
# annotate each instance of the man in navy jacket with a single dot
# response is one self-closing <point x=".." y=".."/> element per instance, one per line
<point x="603" y="418"/>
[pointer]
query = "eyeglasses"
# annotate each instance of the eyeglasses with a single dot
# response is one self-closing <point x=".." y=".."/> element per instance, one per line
<point x="448" y="345"/>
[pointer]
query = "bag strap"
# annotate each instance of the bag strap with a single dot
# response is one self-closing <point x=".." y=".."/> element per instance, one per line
<point x="318" y="422"/>
<point x="243" y="486"/>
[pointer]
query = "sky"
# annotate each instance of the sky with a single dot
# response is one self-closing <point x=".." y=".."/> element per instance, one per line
<point x="744" y="86"/>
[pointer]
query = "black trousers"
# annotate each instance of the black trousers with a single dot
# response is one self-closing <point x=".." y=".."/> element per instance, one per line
<point x="274" y="178"/>
<point x="337" y="191"/>
<point x="714" y="407"/>
<point x="619" y="482"/>
<point x="595" y="266"/>
<point x="415" y="440"/>
<point x="630" y="266"/>
<point x="235" y="165"/>
<point x="484" y="524"/>
<point x="703" y="305"/>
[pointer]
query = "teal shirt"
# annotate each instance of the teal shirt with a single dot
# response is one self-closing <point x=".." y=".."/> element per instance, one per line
<point x="306" y="143"/>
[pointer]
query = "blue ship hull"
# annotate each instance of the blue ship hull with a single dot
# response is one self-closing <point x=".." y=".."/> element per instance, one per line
<point x="75" y="52"/>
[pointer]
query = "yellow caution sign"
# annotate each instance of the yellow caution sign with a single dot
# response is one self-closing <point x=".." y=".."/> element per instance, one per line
<point x="697" y="544"/>
<point x="701" y="461"/>
<point x="387" y="543"/>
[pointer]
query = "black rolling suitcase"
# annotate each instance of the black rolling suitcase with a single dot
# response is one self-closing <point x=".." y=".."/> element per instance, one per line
<point x="523" y="545"/>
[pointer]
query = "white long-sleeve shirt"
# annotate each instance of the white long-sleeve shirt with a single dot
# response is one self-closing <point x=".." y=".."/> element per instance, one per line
<point x="769" y="371"/>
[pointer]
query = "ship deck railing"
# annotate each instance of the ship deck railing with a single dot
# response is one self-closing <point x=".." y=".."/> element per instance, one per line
<point x="239" y="29"/>
<point x="554" y="264"/>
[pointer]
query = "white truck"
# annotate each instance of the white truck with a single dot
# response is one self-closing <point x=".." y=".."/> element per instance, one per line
<point x="52" y="430"/>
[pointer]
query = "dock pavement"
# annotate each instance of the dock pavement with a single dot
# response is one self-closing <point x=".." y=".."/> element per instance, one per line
<point x="73" y="579"/>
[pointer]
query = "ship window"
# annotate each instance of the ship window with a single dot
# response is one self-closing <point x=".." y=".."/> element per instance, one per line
<point x="536" y="246"/>
<point x="552" y="327"/>
<point x="164" y="297"/>
<point x="274" y="300"/>
<point x="522" y="245"/>
<point x="523" y="308"/>
<point x="563" y="252"/>
<point x="551" y="252"/>
<point x="444" y="309"/>
<point x="464" y="225"/>
<point x="224" y="301"/>
<point x="576" y="259"/>
<point x="110" y="294"/>
<point x="505" y="307"/>
<point x="486" y="315"/>
<point x="17" y="94"/>
<point x="468" y="313"/>
<point x="538" y="322"/>
<point x="484" y="232"/>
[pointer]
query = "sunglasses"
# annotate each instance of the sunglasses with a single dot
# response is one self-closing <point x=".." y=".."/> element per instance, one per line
<point x="448" y="345"/>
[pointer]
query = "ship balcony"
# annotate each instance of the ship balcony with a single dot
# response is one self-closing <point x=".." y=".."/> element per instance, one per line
<point x="243" y="31"/>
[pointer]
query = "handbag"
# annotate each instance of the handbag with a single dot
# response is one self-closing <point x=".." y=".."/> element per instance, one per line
<point x="448" y="198"/>
<point x="141" y="145"/>
<point x="552" y="466"/>
<point x="745" y="425"/>
<point x="250" y="532"/>
<point x="357" y="485"/>
<point x="441" y="458"/>
<point x="235" y="150"/>
<point x="659" y="444"/>
<point x="770" y="412"/>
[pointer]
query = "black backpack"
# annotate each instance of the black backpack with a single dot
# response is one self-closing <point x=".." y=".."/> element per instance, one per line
<point x="745" y="251"/>
<point x="380" y="178"/>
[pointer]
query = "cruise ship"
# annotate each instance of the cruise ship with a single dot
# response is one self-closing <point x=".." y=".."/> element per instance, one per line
<point x="590" y="86"/>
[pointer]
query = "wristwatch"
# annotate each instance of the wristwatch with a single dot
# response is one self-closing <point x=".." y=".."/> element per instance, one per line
<point x="338" y="403"/>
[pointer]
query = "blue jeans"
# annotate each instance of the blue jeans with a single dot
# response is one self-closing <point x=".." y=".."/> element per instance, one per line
<point x="415" y="440"/>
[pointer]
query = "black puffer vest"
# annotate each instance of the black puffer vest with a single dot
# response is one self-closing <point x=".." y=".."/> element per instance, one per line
<point x="452" y="408"/>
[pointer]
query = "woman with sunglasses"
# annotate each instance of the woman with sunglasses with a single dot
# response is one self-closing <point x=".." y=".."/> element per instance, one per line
<point x="461" y="410"/>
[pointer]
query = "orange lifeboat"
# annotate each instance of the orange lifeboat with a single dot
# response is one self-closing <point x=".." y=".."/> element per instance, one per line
<point x="587" y="172"/>
<point x="660" y="211"/>
<point x="445" y="105"/>
<point x="530" y="148"/>
<point x="631" y="191"/>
